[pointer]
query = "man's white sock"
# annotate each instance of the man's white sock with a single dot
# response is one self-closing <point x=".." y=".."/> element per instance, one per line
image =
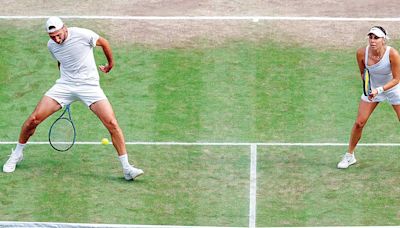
<point x="124" y="161"/>
<point x="19" y="149"/>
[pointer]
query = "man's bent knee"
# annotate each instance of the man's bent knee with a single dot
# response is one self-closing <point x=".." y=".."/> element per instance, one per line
<point x="33" y="121"/>
<point x="112" y="125"/>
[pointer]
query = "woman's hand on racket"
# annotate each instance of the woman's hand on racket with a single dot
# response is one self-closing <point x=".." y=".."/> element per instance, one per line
<point x="373" y="94"/>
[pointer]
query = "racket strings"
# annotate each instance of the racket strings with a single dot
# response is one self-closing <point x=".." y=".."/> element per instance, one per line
<point x="62" y="134"/>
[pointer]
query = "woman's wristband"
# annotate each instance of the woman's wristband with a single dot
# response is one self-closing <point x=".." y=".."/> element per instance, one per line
<point x="380" y="89"/>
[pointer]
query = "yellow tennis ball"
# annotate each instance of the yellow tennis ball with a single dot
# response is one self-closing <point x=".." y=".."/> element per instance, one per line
<point x="105" y="141"/>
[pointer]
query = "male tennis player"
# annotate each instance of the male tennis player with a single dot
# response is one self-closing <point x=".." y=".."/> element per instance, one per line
<point x="383" y="63"/>
<point x="79" y="80"/>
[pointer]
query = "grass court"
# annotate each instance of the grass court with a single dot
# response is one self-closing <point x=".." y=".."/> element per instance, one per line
<point x="241" y="91"/>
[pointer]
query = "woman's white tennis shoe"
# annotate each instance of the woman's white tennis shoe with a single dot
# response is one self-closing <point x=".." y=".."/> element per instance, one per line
<point x="347" y="160"/>
<point x="131" y="173"/>
<point x="12" y="162"/>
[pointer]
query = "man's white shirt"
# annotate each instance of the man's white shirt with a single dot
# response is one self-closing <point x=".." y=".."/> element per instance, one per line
<point x="75" y="54"/>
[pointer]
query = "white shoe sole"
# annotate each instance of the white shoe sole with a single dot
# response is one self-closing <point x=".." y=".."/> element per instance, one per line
<point x="352" y="163"/>
<point x="129" y="177"/>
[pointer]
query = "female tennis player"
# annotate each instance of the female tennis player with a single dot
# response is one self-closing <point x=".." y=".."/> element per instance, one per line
<point x="72" y="48"/>
<point x="383" y="63"/>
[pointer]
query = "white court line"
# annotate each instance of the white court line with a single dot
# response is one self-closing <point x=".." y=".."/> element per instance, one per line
<point x="87" y="225"/>
<point x="223" y="144"/>
<point x="253" y="18"/>
<point x="253" y="186"/>
<point x="252" y="192"/>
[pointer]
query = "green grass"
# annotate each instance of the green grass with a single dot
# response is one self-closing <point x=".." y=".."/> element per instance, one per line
<point x="300" y="186"/>
<point x="182" y="186"/>
<point x="240" y="91"/>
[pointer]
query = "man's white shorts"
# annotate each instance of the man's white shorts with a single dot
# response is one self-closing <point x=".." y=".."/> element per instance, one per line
<point x="392" y="96"/>
<point x="65" y="94"/>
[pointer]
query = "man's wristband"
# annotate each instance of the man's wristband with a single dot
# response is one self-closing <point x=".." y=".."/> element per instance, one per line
<point x="380" y="90"/>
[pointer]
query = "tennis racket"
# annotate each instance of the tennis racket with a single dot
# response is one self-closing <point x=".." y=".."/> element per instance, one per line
<point x="62" y="133"/>
<point x="366" y="83"/>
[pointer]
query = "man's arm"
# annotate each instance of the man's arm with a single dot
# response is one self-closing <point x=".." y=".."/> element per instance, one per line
<point x="107" y="52"/>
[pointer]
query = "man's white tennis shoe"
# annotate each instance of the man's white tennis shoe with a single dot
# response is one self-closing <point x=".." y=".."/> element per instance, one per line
<point x="347" y="160"/>
<point x="12" y="162"/>
<point x="131" y="173"/>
